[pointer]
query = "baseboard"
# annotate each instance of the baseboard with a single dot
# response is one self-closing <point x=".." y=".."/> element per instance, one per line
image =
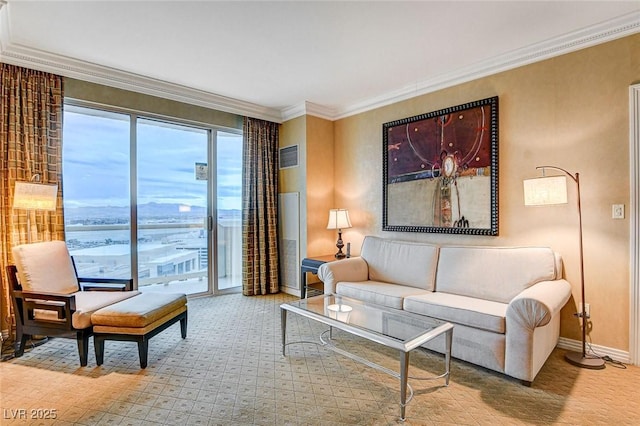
<point x="576" y="345"/>
<point x="289" y="290"/>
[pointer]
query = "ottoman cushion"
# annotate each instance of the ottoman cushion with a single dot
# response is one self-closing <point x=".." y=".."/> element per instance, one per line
<point x="139" y="312"/>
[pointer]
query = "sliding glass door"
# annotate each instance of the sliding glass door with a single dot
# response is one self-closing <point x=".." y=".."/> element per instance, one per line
<point x="154" y="200"/>
<point x="229" y="209"/>
<point x="172" y="214"/>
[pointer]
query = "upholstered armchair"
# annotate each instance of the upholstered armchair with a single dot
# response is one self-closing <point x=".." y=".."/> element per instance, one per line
<point x="50" y="300"/>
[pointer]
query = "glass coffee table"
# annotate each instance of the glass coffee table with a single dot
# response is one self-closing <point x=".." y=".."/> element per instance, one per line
<point x="392" y="328"/>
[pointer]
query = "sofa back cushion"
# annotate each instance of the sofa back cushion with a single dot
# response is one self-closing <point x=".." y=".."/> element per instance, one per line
<point x="494" y="273"/>
<point x="399" y="262"/>
<point x="45" y="267"/>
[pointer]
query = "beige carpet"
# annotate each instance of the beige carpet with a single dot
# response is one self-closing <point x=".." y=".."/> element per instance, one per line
<point x="230" y="371"/>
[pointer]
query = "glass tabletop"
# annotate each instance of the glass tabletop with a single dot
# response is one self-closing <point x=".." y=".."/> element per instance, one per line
<point x="390" y="327"/>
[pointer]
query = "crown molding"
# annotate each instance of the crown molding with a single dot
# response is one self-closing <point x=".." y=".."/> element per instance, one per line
<point x="581" y="39"/>
<point x="16" y="54"/>
<point x="308" y="108"/>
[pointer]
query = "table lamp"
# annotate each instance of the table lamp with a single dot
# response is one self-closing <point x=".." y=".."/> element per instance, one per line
<point x="339" y="219"/>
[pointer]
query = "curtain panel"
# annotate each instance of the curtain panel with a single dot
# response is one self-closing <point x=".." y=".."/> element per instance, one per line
<point x="31" y="107"/>
<point x="260" y="261"/>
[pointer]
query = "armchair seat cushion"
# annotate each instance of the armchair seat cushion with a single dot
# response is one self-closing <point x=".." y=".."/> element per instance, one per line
<point x="87" y="302"/>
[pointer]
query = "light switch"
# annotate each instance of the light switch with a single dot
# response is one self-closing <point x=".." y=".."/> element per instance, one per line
<point x="617" y="211"/>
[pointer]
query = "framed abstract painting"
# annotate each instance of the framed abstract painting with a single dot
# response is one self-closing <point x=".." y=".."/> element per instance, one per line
<point x="440" y="171"/>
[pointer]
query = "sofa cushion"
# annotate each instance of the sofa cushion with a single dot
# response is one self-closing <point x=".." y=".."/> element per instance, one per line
<point x="380" y="293"/>
<point x="477" y="313"/>
<point x="400" y="262"/>
<point x="45" y="267"/>
<point x="493" y="273"/>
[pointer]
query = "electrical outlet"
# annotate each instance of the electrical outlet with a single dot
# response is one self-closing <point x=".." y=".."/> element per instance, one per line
<point x="617" y="211"/>
<point x="587" y="310"/>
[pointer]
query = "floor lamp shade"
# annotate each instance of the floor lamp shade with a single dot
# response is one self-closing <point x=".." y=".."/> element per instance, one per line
<point x="35" y="196"/>
<point x="32" y="196"/>
<point x="545" y="191"/>
<point x="552" y="190"/>
<point x="339" y="219"/>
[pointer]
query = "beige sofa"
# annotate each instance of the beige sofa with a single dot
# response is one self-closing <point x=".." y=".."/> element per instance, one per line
<point x="503" y="301"/>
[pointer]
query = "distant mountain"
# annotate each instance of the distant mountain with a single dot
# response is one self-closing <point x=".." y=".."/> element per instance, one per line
<point x="114" y="214"/>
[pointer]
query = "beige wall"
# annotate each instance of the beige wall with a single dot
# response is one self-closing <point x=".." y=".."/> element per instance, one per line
<point x="313" y="179"/>
<point x="570" y="111"/>
<point x="105" y="95"/>
<point x="320" y="186"/>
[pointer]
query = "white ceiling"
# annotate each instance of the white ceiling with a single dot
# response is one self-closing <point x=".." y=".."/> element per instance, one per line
<point x="276" y="59"/>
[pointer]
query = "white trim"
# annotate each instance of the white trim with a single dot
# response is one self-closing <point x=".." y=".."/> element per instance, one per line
<point x="634" y="223"/>
<point x="33" y="58"/>
<point x="308" y="108"/>
<point x="576" y="346"/>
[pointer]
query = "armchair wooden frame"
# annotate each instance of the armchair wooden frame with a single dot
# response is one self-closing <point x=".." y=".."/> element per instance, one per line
<point x="61" y="308"/>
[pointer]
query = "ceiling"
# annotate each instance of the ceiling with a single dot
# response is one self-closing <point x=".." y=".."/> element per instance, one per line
<point x="276" y="59"/>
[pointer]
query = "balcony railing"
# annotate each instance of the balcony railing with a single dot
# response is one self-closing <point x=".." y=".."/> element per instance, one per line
<point x="169" y="254"/>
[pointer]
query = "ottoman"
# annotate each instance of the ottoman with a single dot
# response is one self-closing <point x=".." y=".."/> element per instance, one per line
<point x="138" y="319"/>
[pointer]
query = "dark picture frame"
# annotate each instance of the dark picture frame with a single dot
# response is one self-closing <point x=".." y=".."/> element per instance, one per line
<point x="440" y="171"/>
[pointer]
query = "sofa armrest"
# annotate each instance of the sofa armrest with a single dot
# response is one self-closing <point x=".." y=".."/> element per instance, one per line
<point x="535" y="306"/>
<point x="351" y="269"/>
<point x="533" y="327"/>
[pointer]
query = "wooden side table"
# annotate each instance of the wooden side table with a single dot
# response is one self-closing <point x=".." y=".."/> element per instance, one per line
<point x="311" y="264"/>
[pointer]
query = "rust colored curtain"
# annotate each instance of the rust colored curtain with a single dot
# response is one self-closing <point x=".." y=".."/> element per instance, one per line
<point x="260" y="208"/>
<point x="31" y="138"/>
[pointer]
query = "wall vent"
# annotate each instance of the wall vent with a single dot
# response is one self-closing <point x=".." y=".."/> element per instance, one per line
<point x="289" y="157"/>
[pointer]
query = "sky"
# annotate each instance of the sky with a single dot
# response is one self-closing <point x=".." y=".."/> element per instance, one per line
<point x="96" y="162"/>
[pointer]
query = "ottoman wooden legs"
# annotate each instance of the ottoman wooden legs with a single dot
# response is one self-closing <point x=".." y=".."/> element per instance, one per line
<point x="141" y="339"/>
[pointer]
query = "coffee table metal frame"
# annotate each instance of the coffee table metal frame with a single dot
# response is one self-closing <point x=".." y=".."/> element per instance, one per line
<point x="404" y="346"/>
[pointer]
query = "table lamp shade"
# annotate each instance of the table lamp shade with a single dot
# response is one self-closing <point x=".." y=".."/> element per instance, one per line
<point x="544" y="191"/>
<point x="35" y="196"/>
<point x="338" y="219"/>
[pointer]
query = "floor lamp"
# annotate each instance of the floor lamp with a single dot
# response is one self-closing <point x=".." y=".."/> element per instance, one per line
<point x="34" y="195"/>
<point x="31" y="196"/>
<point x="550" y="190"/>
